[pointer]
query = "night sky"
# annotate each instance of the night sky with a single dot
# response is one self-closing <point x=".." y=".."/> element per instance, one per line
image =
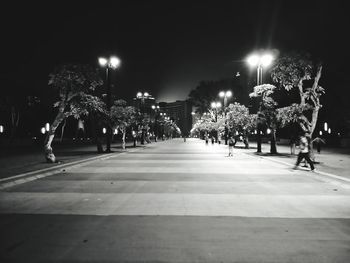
<point x="167" y="47"/>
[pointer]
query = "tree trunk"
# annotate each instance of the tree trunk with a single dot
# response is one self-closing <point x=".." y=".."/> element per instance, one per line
<point x="123" y="138"/>
<point x="273" y="148"/>
<point x="49" y="155"/>
<point x="301" y="92"/>
<point x="94" y="133"/>
<point x="62" y="129"/>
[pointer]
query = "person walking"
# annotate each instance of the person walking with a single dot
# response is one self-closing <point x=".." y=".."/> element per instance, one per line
<point x="304" y="153"/>
<point x="231" y="144"/>
<point x="318" y="141"/>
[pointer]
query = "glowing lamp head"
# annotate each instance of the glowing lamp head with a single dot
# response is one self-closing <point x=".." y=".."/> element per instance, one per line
<point x="153" y="107"/>
<point x="146" y="94"/>
<point x="213" y="104"/>
<point x="222" y="94"/>
<point x="104" y="130"/>
<point x="139" y="95"/>
<point x="43" y="130"/>
<point x="266" y="60"/>
<point x="103" y="62"/>
<point x="253" y="60"/>
<point x="228" y="93"/>
<point x="114" y="62"/>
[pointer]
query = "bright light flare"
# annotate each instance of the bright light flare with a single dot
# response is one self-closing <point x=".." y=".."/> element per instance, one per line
<point x="114" y="62"/>
<point x="253" y="60"/>
<point x="266" y="60"/>
<point x="103" y="62"/>
<point x="260" y="60"/>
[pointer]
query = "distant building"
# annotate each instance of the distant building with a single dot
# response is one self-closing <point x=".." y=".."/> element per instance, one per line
<point x="144" y="103"/>
<point x="180" y="112"/>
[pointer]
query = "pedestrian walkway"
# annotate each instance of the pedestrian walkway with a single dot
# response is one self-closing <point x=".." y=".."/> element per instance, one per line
<point x="331" y="160"/>
<point x="177" y="201"/>
<point x="29" y="159"/>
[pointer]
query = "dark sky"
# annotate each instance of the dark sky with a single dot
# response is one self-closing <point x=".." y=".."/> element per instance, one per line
<point x="167" y="47"/>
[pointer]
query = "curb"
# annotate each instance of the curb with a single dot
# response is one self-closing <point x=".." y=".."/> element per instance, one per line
<point x="34" y="175"/>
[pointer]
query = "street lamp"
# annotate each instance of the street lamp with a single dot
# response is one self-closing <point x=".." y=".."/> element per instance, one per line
<point x="142" y="96"/>
<point x="216" y="105"/>
<point x="259" y="61"/>
<point x="225" y="94"/>
<point x="156" y="110"/>
<point x="111" y="63"/>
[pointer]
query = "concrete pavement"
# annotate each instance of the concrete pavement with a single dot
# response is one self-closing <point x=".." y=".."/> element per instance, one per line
<point x="177" y="202"/>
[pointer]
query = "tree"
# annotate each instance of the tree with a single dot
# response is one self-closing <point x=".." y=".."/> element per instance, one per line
<point x="123" y="117"/>
<point x="297" y="71"/>
<point x="267" y="114"/>
<point x="240" y="121"/>
<point x="73" y="82"/>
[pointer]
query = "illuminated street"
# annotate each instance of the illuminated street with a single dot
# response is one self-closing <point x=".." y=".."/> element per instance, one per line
<point x="176" y="201"/>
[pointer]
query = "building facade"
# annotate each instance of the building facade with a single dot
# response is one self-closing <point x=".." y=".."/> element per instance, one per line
<point x="180" y="113"/>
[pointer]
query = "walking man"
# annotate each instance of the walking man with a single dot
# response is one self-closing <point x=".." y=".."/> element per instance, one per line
<point x="304" y="153"/>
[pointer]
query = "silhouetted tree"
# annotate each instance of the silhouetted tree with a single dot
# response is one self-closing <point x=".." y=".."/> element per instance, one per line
<point x="73" y="82"/>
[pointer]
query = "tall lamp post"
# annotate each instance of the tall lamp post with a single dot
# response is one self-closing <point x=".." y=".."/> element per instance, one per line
<point x="225" y="94"/>
<point x="215" y="106"/>
<point x="111" y="63"/>
<point x="259" y="61"/>
<point x="156" y="109"/>
<point x="142" y="96"/>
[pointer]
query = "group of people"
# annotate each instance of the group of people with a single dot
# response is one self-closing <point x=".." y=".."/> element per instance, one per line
<point x="304" y="145"/>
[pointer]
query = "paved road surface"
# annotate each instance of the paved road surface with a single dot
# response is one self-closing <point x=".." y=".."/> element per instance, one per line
<point x="176" y="202"/>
